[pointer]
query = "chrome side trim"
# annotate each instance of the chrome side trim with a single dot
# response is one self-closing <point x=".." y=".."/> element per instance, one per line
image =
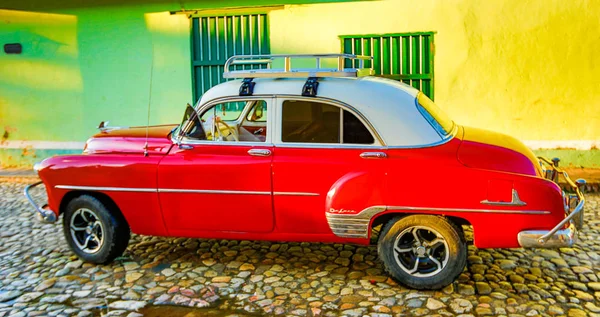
<point x="353" y="225"/>
<point x="184" y="191"/>
<point x="107" y="189"/>
<point x="558" y="239"/>
<point x="44" y="212"/>
<point x="495" y="211"/>
<point x="294" y="194"/>
<point x="516" y="201"/>
<point x="210" y="191"/>
<point x="357" y="225"/>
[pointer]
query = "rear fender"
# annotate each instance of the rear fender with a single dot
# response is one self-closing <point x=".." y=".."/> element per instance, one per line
<point x="355" y="192"/>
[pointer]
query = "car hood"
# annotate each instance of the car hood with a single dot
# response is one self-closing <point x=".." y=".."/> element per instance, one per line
<point x="131" y="140"/>
<point x="496" y="151"/>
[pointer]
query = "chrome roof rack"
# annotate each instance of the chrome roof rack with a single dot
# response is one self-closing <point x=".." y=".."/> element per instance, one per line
<point x="288" y="72"/>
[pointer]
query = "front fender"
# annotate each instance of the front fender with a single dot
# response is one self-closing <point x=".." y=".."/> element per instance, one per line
<point x="129" y="180"/>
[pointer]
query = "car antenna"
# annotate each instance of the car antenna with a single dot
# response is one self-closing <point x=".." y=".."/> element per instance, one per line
<point x="149" y="99"/>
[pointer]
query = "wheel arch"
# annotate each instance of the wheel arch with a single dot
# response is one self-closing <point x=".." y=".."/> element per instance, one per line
<point x="102" y="197"/>
<point x="383" y="218"/>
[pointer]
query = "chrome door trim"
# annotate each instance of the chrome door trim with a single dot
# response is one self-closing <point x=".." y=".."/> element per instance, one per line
<point x="211" y="191"/>
<point x="107" y="189"/>
<point x="294" y="194"/>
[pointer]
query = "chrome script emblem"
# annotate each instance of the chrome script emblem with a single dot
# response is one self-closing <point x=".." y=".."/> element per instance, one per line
<point x="341" y="211"/>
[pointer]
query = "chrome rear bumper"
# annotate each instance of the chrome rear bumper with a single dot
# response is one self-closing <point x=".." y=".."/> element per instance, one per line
<point x="45" y="214"/>
<point x="558" y="237"/>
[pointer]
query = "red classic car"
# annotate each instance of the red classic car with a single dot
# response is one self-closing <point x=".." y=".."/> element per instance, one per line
<point x="316" y="155"/>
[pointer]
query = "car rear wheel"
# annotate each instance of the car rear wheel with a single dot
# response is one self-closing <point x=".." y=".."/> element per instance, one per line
<point x="93" y="232"/>
<point x="422" y="251"/>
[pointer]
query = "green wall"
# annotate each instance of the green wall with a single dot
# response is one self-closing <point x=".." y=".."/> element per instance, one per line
<point x="89" y="65"/>
<point x="522" y="67"/>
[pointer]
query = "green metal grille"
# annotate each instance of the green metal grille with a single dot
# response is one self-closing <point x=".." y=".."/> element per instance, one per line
<point x="215" y="39"/>
<point x="407" y="57"/>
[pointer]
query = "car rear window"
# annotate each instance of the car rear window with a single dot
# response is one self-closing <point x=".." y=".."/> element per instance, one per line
<point x="436" y="117"/>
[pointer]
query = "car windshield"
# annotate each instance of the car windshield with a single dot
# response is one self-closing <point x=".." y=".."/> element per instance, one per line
<point x="436" y="117"/>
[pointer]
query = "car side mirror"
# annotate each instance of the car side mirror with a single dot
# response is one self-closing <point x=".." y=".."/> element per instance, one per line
<point x="191" y="126"/>
<point x="186" y="122"/>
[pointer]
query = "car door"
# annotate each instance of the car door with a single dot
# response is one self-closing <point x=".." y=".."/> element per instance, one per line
<point x="219" y="178"/>
<point x="327" y="159"/>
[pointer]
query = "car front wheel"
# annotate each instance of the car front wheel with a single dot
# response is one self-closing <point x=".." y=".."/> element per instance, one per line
<point x="422" y="251"/>
<point x="94" y="233"/>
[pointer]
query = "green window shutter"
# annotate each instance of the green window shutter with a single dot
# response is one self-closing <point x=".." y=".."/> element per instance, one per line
<point x="407" y="57"/>
<point x="215" y="39"/>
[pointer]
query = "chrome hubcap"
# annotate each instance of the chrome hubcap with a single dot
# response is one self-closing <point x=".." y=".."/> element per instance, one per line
<point x="421" y="251"/>
<point x="87" y="231"/>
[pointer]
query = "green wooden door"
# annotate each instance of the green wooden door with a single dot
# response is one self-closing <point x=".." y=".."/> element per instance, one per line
<point x="216" y="38"/>
<point x="407" y="57"/>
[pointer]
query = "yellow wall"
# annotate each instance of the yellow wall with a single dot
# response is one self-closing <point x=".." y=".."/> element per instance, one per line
<point x="527" y="68"/>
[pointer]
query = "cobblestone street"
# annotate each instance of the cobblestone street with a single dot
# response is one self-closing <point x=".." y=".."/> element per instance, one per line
<point x="39" y="276"/>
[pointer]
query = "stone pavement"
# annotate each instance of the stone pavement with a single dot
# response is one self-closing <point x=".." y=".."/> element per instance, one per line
<point x="39" y="276"/>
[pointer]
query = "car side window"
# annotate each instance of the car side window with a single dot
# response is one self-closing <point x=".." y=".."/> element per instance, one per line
<point x="355" y="131"/>
<point x="223" y="122"/>
<point x="258" y="112"/>
<point x="317" y="122"/>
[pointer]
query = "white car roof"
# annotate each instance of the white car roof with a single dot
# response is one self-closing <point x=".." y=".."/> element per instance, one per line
<point x="389" y="106"/>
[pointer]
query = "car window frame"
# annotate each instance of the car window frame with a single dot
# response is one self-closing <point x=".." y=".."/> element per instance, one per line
<point x="378" y="142"/>
<point x="201" y="108"/>
<point x="249" y="112"/>
<point x="432" y="116"/>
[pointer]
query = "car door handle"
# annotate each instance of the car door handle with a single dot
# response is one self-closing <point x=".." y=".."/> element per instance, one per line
<point x="185" y="147"/>
<point x="259" y="152"/>
<point x="373" y="155"/>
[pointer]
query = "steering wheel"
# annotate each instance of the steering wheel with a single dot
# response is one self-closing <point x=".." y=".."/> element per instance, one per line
<point x="218" y="130"/>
